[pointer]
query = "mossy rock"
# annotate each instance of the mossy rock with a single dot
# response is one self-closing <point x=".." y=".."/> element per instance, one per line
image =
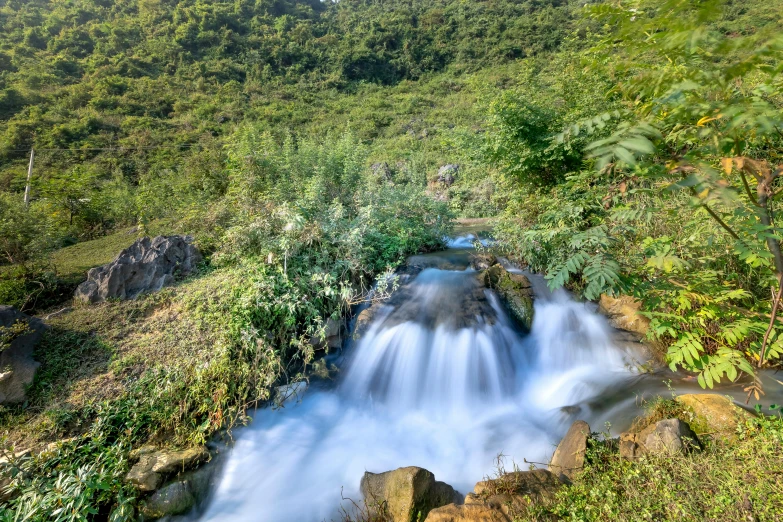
<point x="714" y="415"/>
<point x="515" y="292"/>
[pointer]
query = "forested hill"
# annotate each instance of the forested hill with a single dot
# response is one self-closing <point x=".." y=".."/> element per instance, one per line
<point x="142" y="73"/>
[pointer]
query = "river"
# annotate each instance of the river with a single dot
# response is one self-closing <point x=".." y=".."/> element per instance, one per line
<point x="442" y="379"/>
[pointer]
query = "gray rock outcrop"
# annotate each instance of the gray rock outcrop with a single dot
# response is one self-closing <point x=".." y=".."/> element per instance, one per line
<point x="17" y="366"/>
<point x="146" y="266"/>
<point x="407" y="494"/>
<point x="447" y="174"/>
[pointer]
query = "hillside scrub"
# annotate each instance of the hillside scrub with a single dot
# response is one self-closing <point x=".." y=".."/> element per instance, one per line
<point x="627" y="146"/>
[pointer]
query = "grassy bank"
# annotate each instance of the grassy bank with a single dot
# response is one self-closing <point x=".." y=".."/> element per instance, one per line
<point x="742" y="480"/>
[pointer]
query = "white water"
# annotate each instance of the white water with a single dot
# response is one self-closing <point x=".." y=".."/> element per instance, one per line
<point x="424" y="389"/>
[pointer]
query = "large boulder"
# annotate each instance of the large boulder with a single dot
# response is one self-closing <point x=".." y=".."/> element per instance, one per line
<point x="407" y="494"/>
<point x="623" y="313"/>
<point x="153" y="465"/>
<point x="569" y="457"/>
<point x="515" y="292"/>
<point x="714" y="414"/>
<point x="19" y="334"/>
<point x="146" y="266"/>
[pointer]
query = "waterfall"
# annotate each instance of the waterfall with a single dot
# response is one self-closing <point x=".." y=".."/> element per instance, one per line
<point x="441" y="380"/>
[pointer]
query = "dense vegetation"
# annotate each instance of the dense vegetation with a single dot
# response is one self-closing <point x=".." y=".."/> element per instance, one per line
<point x="627" y="146"/>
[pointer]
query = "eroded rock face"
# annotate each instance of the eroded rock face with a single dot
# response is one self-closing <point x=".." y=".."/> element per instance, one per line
<point x="569" y="457"/>
<point x="715" y="414"/>
<point x="408" y="493"/>
<point x="515" y="292"/>
<point x="153" y="465"/>
<point x="623" y="313"/>
<point x="146" y="266"/>
<point x="17" y="366"/>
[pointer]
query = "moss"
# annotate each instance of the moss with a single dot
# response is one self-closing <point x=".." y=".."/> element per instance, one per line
<point x="515" y="292"/>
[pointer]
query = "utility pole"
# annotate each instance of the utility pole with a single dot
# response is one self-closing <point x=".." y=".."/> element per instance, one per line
<point x="29" y="177"/>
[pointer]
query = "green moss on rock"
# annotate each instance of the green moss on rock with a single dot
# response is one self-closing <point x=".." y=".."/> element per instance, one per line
<point x="515" y="292"/>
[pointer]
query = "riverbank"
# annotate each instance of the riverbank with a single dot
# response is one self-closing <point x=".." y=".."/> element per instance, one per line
<point x="731" y="472"/>
<point x="125" y="384"/>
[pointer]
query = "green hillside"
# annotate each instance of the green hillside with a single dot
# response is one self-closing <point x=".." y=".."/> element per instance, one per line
<point x="625" y="147"/>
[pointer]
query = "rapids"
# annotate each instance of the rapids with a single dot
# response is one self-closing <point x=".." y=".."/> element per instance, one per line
<point x="442" y="380"/>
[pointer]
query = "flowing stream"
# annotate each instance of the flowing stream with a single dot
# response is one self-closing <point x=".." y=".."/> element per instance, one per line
<point x="443" y="380"/>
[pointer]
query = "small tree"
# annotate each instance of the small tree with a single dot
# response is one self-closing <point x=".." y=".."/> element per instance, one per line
<point x="702" y="114"/>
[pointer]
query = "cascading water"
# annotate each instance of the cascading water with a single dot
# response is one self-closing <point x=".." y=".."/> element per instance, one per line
<point x="441" y="380"/>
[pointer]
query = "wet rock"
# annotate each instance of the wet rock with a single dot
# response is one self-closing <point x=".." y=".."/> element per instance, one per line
<point x="146" y="266"/>
<point x="408" y="493"/>
<point x="173" y="499"/>
<point x="483" y="261"/>
<point x="289" y="392"/>
<point x="569" y="457"/>
<point x="148" y="473"/>
<point x="537" y="484"/>
<point x="21" y="333"/>
<point x="466" y="513"/>
<point x="623" y="313"/>
<point x="181" y="495"/>
<point x="447" y="174"/>
<point x="715" y="415"/>
<point x="364" y="320"/>
<point x="515" y="292"/>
